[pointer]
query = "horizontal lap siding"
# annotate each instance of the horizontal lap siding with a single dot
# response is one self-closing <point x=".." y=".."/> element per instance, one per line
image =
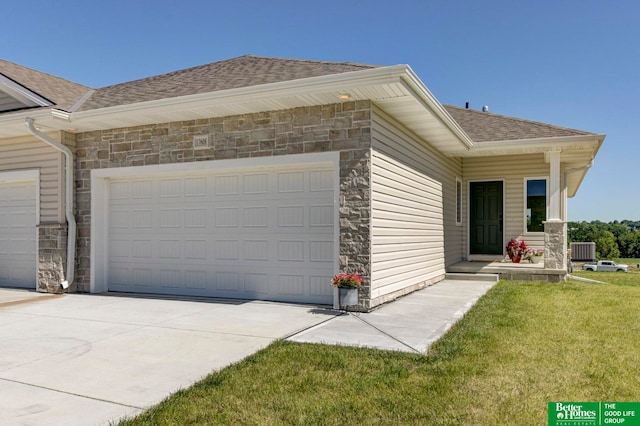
<point x="414" y="234"/>
<point x="513" y="170"/>
<point x="28" y="154"/>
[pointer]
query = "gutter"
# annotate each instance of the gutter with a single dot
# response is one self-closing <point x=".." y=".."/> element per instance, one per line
<point x="71" y="221"/>
<point x="574" y="170"/>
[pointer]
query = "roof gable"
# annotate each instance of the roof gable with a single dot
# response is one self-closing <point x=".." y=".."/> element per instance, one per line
<point x="485" y="126"/>
<point x="22" y="87"/>
<point x="243" y="71"/>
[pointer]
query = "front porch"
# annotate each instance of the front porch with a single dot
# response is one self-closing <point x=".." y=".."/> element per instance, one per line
<point x="510" y="271"/>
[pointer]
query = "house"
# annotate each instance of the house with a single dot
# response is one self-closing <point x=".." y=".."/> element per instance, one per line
<point x="261" y="178"/>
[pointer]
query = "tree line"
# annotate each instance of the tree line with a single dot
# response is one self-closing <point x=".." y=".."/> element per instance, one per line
<point x="613" y="240"/>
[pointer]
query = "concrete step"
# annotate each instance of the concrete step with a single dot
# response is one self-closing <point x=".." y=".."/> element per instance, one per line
<point x="472" y="277"/>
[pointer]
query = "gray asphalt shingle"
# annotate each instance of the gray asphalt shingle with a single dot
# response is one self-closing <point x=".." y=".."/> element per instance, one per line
<point x="62" y="93"/>
<point x="247" y="71"/>
<point x="243" y="71"/>
<point x="485" y="126"/>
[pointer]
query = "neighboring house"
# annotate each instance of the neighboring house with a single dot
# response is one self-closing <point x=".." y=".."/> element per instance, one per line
<point x="260" y="178"/>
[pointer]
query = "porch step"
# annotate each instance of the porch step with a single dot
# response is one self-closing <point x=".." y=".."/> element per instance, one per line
<point x="472" y="277"/>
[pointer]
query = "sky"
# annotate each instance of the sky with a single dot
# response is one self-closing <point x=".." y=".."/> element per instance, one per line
<point x="572" y="63"/>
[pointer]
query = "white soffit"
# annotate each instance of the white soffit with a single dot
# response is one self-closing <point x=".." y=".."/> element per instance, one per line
<point x="396" y="90"/>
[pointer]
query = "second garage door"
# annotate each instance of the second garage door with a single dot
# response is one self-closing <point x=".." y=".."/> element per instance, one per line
<point x="18" y="234"/>
<point x="250" y="235"/>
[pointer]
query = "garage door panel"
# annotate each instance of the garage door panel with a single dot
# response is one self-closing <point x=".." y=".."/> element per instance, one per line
<point x="18" y="257"/>
<point x="266" y="235"/>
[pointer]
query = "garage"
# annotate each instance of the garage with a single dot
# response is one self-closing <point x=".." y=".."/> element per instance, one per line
<point x="18" y="245"/>
<point x="246" y="233"/>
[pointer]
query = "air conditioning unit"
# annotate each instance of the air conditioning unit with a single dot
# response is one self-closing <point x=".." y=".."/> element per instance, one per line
<point x="583" y="251"/>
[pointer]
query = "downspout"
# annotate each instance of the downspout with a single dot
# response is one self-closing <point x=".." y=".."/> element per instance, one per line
<point x="71" y="221"/>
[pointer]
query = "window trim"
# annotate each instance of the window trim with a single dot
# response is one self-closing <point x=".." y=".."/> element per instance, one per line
<point x="459" y="200"/>
<point x="526" y="179"/>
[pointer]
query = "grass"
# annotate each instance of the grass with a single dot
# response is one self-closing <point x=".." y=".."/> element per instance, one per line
<point x="523" y="345"/>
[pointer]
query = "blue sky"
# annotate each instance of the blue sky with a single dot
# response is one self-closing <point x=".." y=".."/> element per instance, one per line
<point x="566" y="62"/>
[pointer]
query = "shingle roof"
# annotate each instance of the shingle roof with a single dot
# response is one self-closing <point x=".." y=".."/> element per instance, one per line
<point x="62" y="93"/>
<point x="485" y="126"/>
<point x="243" y="71"/>
<point x="250" y="70"/>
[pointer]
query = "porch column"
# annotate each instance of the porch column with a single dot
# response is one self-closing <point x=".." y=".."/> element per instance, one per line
<point x="553" y="158"/>
<point x="555" y="243"/>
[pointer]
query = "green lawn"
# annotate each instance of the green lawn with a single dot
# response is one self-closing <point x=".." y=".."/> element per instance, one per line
<point x="521" y="346"/>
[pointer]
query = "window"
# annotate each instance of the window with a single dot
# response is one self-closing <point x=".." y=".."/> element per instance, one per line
<point x="458" y="202"/>
<point x="536" y="204"/>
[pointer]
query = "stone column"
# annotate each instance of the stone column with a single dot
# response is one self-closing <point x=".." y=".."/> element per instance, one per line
<point x="355" y="229"/>
<point x="52" y="256"/>
<point x="555" y="245"/>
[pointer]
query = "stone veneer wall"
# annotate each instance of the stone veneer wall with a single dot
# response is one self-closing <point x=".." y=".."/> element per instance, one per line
<point x="344" y="127"/>
<point x="555" y="245"/>
<point x="52" y="257"/>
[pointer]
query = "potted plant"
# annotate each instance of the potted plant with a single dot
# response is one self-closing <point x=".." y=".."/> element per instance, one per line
<point x="515" y="250"/>
<point x="532" y="255"/>
<point x="348" y="285"/>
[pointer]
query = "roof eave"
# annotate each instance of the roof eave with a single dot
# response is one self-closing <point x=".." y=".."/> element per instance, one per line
<point x="578" y="153"/>
<point x="382" y="85"/>
<point x="532" y="145"/>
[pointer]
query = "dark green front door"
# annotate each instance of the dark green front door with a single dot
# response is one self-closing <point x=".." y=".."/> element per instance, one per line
<point x="485" y="227"/>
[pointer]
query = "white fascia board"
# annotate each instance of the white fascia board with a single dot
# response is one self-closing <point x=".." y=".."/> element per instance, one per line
<point x="22" y="94"/>
<point x="430" y="101"/>
<point x="19" y="116"/>
<point x="343" y="82"/>
<point x="524" y="146"/>
<point x="333" y="82"/>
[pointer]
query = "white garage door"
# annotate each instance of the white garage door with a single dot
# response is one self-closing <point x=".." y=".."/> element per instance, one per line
<point x="251" y="235"/>
<point x="18" y="234"/>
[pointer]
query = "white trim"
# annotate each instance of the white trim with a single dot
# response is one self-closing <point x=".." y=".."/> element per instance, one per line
<point x="525" y="230"/>
<point x="22" y="94"/>
<point x="239" y="163"/>
<point x="18" y="175"/>
<point x="459" y="201"/>
<point x="484" y="256"/>
<point x="100" y="197"/>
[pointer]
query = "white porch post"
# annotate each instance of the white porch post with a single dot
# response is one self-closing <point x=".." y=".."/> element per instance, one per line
<point x="554" y="186"/>
<point x="555" y="243"/>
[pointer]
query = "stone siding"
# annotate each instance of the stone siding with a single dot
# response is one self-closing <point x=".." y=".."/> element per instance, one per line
<point x="555" y="245"/>
<point x="344" y="127"/>
<point x="52" y="257"/>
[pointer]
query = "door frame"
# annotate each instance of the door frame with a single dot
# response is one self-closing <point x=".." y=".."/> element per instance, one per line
<point x="485" y="257"/>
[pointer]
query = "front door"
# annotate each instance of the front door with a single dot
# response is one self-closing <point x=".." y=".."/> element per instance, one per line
<point x="486" y="218"/>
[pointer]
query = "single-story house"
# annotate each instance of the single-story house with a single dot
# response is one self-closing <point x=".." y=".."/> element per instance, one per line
<point x="261" y="178"/>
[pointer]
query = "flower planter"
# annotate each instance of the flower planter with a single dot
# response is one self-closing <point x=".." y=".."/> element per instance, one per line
<point x="536" y="259"/>
<point x="516" y="259"/>
<point x="348" y="296"/>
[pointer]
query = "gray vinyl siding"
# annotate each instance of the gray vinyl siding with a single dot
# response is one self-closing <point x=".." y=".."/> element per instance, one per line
<point x="28" y="153"/>
<point x="413" y="209"/>
<point x="512" y="170"/>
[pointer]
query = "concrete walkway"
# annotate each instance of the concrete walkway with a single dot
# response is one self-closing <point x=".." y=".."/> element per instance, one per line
<point x="92" y="359"/>
<point x="409" y="324"/>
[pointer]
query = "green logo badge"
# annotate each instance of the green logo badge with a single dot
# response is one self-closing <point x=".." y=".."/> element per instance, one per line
<point x="594" y="413"/>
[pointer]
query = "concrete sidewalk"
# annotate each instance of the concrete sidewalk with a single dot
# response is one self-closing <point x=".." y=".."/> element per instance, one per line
<point x="409" y="324"/>
<point x="92" y="359"/>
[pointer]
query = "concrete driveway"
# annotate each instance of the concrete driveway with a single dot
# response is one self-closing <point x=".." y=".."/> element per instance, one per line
<point x="92" y="359"/>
